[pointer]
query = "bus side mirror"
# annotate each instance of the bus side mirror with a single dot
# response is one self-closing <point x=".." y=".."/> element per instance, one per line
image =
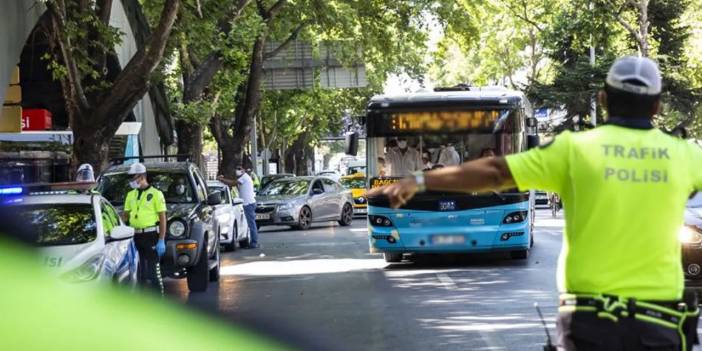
<point x="532" y="141"/>
<point x="351" y="143"/>
<point x="532" y="122"/>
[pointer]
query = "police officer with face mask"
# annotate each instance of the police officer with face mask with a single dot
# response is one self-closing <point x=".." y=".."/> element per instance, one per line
<point x="145" y="211"/>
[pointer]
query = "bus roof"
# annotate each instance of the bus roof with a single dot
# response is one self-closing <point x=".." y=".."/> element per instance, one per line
<point x="474" y="97"/>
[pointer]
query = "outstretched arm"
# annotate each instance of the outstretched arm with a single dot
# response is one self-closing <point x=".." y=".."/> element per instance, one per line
<point x="490" y="173"/>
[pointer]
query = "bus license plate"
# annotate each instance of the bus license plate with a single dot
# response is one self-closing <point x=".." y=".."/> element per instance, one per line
<point x="447" y="205"/>
<point x="448" y="239"/>
<point x="263" y="216"/>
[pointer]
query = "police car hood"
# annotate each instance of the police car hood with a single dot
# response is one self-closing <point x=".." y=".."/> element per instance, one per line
<point x="64" y="258"/>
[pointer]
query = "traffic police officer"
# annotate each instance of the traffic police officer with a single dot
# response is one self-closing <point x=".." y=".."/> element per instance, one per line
<point x="624" y="186"/>
<point x="145" y="210"/>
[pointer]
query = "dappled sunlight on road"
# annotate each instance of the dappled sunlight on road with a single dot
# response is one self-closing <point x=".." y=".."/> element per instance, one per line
<point x="302" y="267"/>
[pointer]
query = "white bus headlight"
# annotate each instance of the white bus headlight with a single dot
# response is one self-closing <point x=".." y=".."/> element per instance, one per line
<point x="176" y="228"/>
<point x="689" y="235"/>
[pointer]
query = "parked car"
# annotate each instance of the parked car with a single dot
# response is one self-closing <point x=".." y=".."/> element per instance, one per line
<point x="192" y="241"/>
<point x="691" y="240"/>
<point x="267" y="179"/>
<point x="300" y="201"/>
<point x="233" y="228"/>
<point x="81" y="237"/>
<point x="334" y="175"/>
<point x="357" y="185"/>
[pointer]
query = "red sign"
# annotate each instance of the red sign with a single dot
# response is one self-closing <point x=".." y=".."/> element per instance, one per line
<point x="36" y="119"/>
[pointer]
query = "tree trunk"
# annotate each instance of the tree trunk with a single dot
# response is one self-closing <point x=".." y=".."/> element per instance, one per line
<point x="229" y="162"/>
<point x="190" y="141"/>
<point x="89" y="146"/>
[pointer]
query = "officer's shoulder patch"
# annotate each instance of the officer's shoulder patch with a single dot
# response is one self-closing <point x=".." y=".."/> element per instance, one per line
<point x="149" y="197"/>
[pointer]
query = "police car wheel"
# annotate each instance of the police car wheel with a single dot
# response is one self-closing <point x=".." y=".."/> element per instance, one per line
<point x="229" y="247"/>
<point x="214" y="272"/>
<point x="199" y="273"/>
<point x="519" y="254"/>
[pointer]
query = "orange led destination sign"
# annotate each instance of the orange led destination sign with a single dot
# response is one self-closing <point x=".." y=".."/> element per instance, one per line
<point x="443" y="120"/>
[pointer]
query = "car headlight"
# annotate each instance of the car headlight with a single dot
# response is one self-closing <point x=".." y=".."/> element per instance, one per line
<point x="286" y="206"/>
<point x="87" y="271"/>
<point x="177" y="228"/>
<point x="689" y="235"/>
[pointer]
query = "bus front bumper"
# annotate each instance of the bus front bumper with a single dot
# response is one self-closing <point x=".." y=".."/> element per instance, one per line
<point x="450" y="239"/>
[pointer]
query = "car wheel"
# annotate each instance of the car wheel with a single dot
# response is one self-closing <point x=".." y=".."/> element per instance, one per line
<point x="519" y="254"/>
<point x="214" y="271"/>
<point x="305" y="219"/>
<point x="392" y="257"/>
<point x="228" y="247"/>
<point x="198" y="274"/>
<point x="346" y="215"/>
<point x="244" y="244"/>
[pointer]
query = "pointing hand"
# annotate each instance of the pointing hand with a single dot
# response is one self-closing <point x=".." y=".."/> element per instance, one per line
<point x="398" y="193"/>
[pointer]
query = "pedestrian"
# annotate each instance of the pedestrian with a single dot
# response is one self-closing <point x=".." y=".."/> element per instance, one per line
<point x="245" y="187"/>
<point x="624" y="186"/>
<point x="145" y="211"/>
<point x="403" y="159"/>
<point x="449" y="156"/>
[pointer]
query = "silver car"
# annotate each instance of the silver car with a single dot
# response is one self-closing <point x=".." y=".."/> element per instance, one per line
<point x="230" y="218"/>
<point x="299" y="201"/>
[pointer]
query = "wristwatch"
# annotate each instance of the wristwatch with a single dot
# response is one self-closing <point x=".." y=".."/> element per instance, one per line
<point x="419" y="180"/>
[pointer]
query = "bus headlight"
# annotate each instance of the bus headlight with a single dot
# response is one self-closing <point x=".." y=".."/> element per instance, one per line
<point x="515" y="217"/>
<point x="380" y="221"/>
<point x="177" y="228"/>
<point x="689" y="235"/>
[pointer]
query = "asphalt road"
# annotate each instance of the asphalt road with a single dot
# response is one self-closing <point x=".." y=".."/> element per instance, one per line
<point x="321" y="289"/>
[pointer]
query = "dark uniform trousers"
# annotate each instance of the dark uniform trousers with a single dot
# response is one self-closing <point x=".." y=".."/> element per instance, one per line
<point x="149" y="273"/>
<point x="585" y="331"/>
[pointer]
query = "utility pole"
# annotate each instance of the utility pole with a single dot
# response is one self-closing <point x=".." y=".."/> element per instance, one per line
<point x="254" y="148"/>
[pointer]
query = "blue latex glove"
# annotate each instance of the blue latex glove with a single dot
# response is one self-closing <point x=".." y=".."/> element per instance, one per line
<point x="161" y="247"/>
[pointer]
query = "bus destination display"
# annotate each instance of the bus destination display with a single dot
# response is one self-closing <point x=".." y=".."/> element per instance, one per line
<point x="443" y="120"/>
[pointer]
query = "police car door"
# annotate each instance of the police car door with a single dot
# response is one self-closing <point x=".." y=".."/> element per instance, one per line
<point x="120" y="258"/>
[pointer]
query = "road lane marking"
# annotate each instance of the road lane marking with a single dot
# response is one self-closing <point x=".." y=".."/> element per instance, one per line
<point x="446" y="281"/>
<point x="358" y="230"/>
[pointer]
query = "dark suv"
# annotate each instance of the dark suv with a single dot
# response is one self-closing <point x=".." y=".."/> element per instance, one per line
<point x="192" y="244"/>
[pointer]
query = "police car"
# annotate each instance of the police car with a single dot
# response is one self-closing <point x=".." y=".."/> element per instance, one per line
<point x="79" y="234"/>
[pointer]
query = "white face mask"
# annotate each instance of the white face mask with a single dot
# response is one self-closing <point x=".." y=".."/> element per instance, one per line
<point x="133" y="184"/>
<point x="180" y="189"/>
<point x="239" y="173"/>
<point x="402" y="144"/>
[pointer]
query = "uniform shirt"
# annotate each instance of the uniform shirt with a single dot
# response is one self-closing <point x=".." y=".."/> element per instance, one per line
<point x="246" y="189"/>
<point x="624" y="191"/>
<point x="403" y="163"/>
<point x="144" y="207"/>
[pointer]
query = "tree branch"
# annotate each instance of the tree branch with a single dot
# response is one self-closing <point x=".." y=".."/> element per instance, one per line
<point x="133" y="82"/>
<point x="57" y="12"/>
<point x="104" y="11"/>
<point x="273" y="10"/>
<point x="285" y="43"/>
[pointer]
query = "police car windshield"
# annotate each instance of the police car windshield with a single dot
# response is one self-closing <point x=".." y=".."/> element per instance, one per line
<point x="286" y="187"/>
<point x="57" y="224"/>
<point x="175" y="186"/>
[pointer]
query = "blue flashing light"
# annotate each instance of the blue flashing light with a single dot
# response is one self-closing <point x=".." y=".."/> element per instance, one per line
<point x="13" y="201"/>
<point x="11" y="191"/>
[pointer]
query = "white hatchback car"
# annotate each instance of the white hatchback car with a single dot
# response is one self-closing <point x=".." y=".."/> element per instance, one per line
<point x="80" y="235"/>
<point x="230" y="216"/>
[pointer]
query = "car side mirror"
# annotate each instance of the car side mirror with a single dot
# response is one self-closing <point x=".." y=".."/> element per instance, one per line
<point x="317" y="191"/>
<point x="121" y="232"/>
<point x="237" y="201"/>
<point x="214" y="199"/>
<point x="532" y="141"/>
<point x="351" y="145"/>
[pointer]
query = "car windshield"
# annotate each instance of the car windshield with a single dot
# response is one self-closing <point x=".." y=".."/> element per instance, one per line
<point x="58" y="224"/>
<point x="175" y="186"/>
<point x="286" y="187"/>
<point x="353" y="183"/>
<point x="695" y="201"/>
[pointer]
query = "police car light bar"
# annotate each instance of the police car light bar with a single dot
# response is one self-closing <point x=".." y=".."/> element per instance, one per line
<point x="15" y="190"/>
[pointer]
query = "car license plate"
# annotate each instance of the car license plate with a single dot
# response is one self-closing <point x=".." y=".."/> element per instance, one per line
<point x="361" y="210"/>
<point x="448" y="239"/>
<point x="263" y="216"/>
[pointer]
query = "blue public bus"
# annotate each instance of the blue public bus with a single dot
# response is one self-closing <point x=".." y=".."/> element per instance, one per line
<point x="421" y="131"/>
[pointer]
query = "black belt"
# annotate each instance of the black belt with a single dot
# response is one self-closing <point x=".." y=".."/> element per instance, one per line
<point x="667" y="313"/>
<point x="146" y="230"/>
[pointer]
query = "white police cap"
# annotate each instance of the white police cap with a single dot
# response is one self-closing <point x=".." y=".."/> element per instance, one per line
<point x="637" y="75"/>
<point x="136" y="168"/>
